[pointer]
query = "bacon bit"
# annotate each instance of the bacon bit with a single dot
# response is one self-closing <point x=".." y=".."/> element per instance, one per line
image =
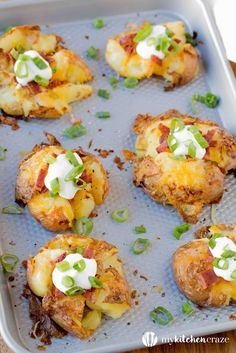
<point x="119" y="163"/>
<point x="162" y="147"/>
<point x="34" y="87"/>
<point x="5" y="120"/>
<point x="86" y="177"/>
<point x="156" y="60"/>
<point x="57" y="293"/>
<point x="232" y="317"/>
<point x="177" y="40"/>
<point x="164" y="129"/>
<point x="89" y="295"/>
<point x="61" y="257"/>
<point x="209" y="138"/>
<point x="207" y="277"/>
<point x="88" y="253"/>
<point x="128" y="43"/>
<point x="39" y="185"/>
<point x="128" y="155"/>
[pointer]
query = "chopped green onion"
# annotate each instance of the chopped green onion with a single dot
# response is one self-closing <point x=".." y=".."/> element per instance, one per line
<point x="20" y="49"/>
<point x="9" y="262"/>
<point x="192" y="150"/>
<point x="164" y="44"/>
<point x="120" y="215"/>
<point x="177" y="158"/>
<point x="140" y="229"/>
<point x="41" y="81"/>
<point x="176" y="125"/>
<point x="103" y="93"/>
<point x="2" y="153"/>
<point x="23" y="57"/>
<point x="22" y="70"/>
<point x="187" y="308"/>
<point x="68" y="281"/>
<point x="143" y="33"/>
<point x="54" y="69"/>
<point x="174" y="45"/>
<point x="79" y="250"/>
<point x="233" y="274"/>
<point x="55" y="186"/>
<point x="130" y="82"/>
<point x="83" y="225"/>
<point x="82" y="184"/>
<point x="74" y="131"/>
<point x="11" y="210"/>
<point x="103" y="115"/>
<point x="71" y="176"/>
<point x="140" y="245"/>
<point x="40" y="63"/>
<point x="63" y="266"/>
<point x="92" y="53"/>
<point x="71" y="158"/>
<point x="151" y="41"/>
<point x="172" y="143"/>
<point x="74" y="291"/>
<point x="222" y="264"/>
<point x="212" y="241"/>
<point x="210" y="99"/>
<point x="161" y="315"/>
<point x="169" y="33"/>
<point x="79" y="265"/>
<point x="95" y="282"/>
<point x="179" y="230"/>
<point x="228" y="253"/>
<point x="98" y="23"/>
<point x="191" y="39"/>
<point x="7" y="29"/>
<point x="198" y="136"/>
<point x="50" y="159"/>
<point x="14" y="53"/>
<point x="113" y="81"/>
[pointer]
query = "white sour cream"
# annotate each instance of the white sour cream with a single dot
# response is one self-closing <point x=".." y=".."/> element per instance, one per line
<point x="145" y="50"/>
<point x="222" y="244"/>
<point x="81" y="279"/>
<point x="59" y="169"/>
<point x="32" y="70"/>
<point x="183" y="138"/>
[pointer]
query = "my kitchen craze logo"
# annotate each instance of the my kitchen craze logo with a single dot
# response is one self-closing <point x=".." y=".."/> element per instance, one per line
<point x="149" y="339"/>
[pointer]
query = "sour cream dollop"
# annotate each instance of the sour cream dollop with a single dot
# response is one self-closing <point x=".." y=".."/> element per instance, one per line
<point x="145" y="49"/>
<point x="26" y="69"/>
<point x="59" y="169"/>
<point x="223" y="244"/>
<point x="81" y="279"/>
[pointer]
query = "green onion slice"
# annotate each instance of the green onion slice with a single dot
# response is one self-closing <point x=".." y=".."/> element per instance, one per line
<point x="54" y="69"/>
<point x="176" y="125"/>
<point x="177" y="158"/>
<point x="22" y="70"/>
<point x="79" y="265"/>
<point x="14" y="53"/>
<point x="172" y="143"/>
<point x="92" y="52"/>
<point x="233" y="274"/>
<point x="74" y="131"/>
<point x="9" y="262"/>
<point x="140" y="245"/>
<point x="161" y="315"/>
<point x="20" y="49"/>
<point x="98" y="23"/>
<point x="11" y="210"/>
<point x="174" y="45"/>
<point x="74" y="291"/>
<point x="83" y="225"/>
<point x="41" y="81"/>
<point x="2" y="153"/>
<point x="198" y="136"/>
<point x="143" y="33"/>
<point x="120" y="215"/>
<point x="113" y="81"/>
<point x="140" y="229"/>
<point x="71" y="158"/>
<point x="79" y="250"/>
<point x="151" y="41"/>
<point x="50" y="159"/>
<point x="103" y="93"/>
<point x="55" y="186"/>
<point x="40" y="63"/>
<point x="212" y="240"/>
<point x="95" y="282"/>
<point x="63" y="266"/>
<point x="192" y="150"/>
<point x="103" y="115"/>
<point x="71" y="176"/>
<point x="130" y="82"/>
<point x="68" y="281"/>
<point x="187" y="308"/>
<point x="222" y="264"/>
<point x="179" y="230"/>
<point x="169" y="33"/>
<point x="228" y="253"/>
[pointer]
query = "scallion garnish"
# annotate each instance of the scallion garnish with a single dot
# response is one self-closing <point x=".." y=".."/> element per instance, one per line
<point x="210" y="99"/>
<point x="130" y="82"/>
<point x="2" y="153"/>
<point x="191" y="38"/>
<point x="176" y="125"/>
<point x="74" y="131"/>
<point x="39" y="63"/>
<point x="187" y="308"/>
<point x="20" y="49"/>
<point x="14" y="53"/>
<point x="50" y="159"/>
<point x="74" y="291"/>
<point x="71" y="176"/>
<point x="24" y="57"/>
<point x="228" y="253"/>
<point x="95" y="282"/>
<point x="9" y="262"/>
<point x="140" y="229"/>
<point x="140" y="245"/>
<point x="161" y="315"/>
<point x="68" y="281"/>
<point x="11" y="210"/>
<point x="92" y="52"/>
<point x="79" y="265"/>
<point x="177" y="158"/>
<point x="71" y="158"/>
<point x="222" y="264"/>
<point x="192" y="150"/>
<point x="169" y="33"/>
<point x="179" y="230"/>
<point x="174" y="45"/>
<point x="55" y="186"/>
<point x="63" y="266"/>
<point x="212" y="240"/>
<point x="22" y="70"/>
<point x="233" y="274"/>
<point x="98" y="23"/>
<point x="54" y="69"/>
<point x="103" y="93"/>
<point x="198" y="136"/>
<point x="79" y="250"/>
<point x="113" y="81"/>
<point x="120" y="215"/>
<point x="7" y="29"/>
<point x="103" y="115"/>
<point x="41" y="81"/>
<point x="172" y="142"/>
<point x="83" y="225"/>
<point x="143" y="33"/>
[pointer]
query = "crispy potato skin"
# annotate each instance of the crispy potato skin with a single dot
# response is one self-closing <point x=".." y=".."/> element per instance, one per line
<point x="185" y="184"/>
<point x="67" y="84"/>
<point x="56" y="213"/>
<point x="80" y="315"/>
<point x="193" y="258"/>
<point x="177" y="68"/>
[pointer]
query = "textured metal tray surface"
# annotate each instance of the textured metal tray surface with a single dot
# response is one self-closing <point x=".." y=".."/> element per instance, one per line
<point x="23" y="235"/>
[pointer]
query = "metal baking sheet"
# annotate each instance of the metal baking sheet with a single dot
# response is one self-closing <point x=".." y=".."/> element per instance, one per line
<point x="23" y="235"/>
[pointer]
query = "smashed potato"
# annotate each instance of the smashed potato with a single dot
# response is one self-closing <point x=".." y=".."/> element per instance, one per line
<point x="70" y="73"/>
<point x="186" y="184"/>
<point x="178" y="67"/>
<point x="55" y="212"/>
<point x="193" y="270"/>
<point x="81" y="314"/>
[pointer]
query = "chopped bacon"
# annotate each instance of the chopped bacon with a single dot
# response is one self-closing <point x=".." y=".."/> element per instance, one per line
<point x="34" y="88"/>
<point x="86" y="177"/>
<point x="162" y="147"/>
<point x="61" y="257"/>
<point x="207" y="277"/>
<point x="89" y="295"/>
<point x="209" y="137"/>
<point x="164" y="129"/>
<point x="157" y="60"/>
<point x="128" y="43"/>
<point x="39" y="185"/>
<point x="177" y="40"/>
<point x="88" y="253"/>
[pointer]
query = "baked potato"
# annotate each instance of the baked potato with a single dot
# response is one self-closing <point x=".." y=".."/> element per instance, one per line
<point x="188" y="183"/>
<point x="179" y="66"/>
<point x="194" y="273"/>
<point x="67" y="84"/>
<point x="57" y="213"/>
<point x="80" y="314"/>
